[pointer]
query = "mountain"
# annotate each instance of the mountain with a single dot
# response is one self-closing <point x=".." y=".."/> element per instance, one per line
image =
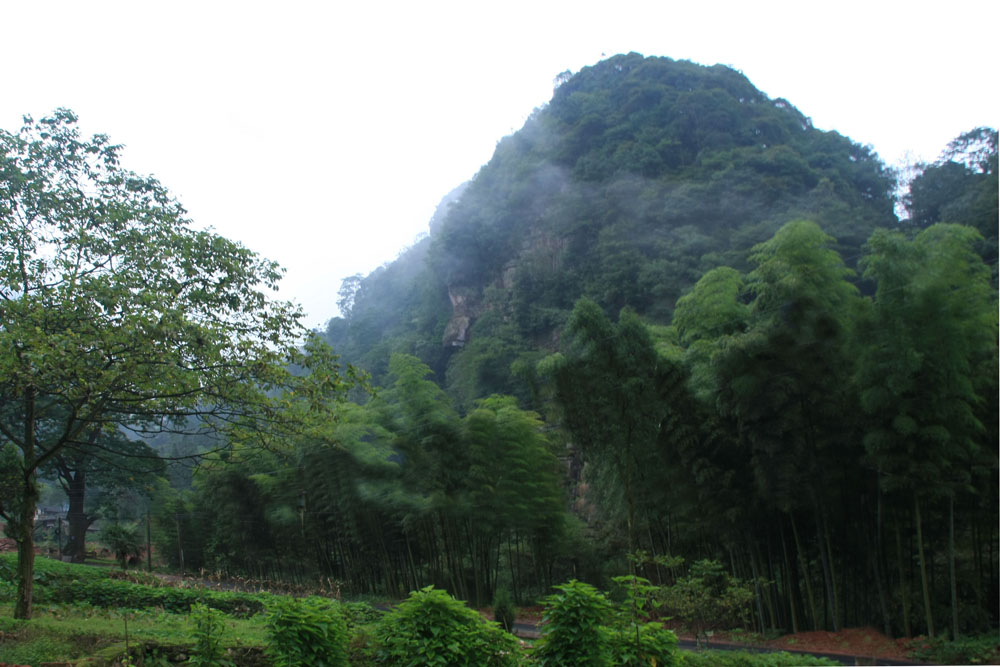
<point x="635" y="179"/>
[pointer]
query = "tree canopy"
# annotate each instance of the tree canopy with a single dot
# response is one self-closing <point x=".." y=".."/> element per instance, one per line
<point x="117" y="314"/>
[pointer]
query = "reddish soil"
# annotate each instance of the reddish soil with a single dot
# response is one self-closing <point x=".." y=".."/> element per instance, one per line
<point x="861" y="642"/>
<point x="867" y="642"/>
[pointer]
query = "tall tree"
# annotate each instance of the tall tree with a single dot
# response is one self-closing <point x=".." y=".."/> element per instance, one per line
<point x="116" y="313"/>
<point x="961" y="187"/>
<point x="931" y="355"/>
<point x="610" y="387"/>
<point x="94" y="472"/>
<point x="785" y="380"/>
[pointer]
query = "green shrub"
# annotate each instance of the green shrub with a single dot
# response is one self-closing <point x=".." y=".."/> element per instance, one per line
<point x="643" y="644"/>
<point x="35" y="650"/>
<point x="307" y="631"/>
<point x="504" y="611"/>
<point x="49" y="571"/>
<point x="360" y="613"/>
<point x="983" y="650"/>
<point x="125" y="595"/>
<point x="573" y="631"/>
<point x="748" y="659"/>
<point x="123" y="540"/>
<point x="208" y="627"/>
<point x="708" y="599"/>
<point x="633" y="640"/>
<point x="432" y="628"/>
<point x="8" y="591"/>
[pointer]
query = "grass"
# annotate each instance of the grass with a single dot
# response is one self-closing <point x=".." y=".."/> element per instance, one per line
<point x="71" y="632"/>
<point x="80" y="630"/>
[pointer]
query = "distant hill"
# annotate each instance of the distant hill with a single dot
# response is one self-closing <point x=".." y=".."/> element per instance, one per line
<point x="639" y="175"/>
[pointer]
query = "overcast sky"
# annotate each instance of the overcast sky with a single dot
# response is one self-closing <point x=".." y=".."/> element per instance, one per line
<point x="323" y="134"/>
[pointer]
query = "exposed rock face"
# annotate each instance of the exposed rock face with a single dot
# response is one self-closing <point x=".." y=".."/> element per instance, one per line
<point x="464" y="308"/>
<point x="540" y="254"/>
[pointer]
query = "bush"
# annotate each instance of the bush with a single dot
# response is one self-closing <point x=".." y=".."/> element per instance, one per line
<point x="634" y="641"/>
<point x="307" y="631"/>
<point x="49" y="571"/>
<point x="748" y="659"/>
<point x="360" y="613"/>
<point x="708" y="599"/>
<point x="573" y="632"/>
<point x="432" y="628"/>
<point x="655" y="645"/>
<point x="504" y="611"/>
<point x="208" y="627"/>
<point x="984" y="650"/>
<point x="123" y="540"/>
<point x="122" y="594"/>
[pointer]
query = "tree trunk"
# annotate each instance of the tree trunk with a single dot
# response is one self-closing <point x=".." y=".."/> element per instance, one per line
<point x="878" y="563"/>
<point x="904" y="590"/>
<point x="79" y="522"/>
<point x="837" y="614"/>
<point x="790" y="588"/>
<point x="26" y="528"/>
<point x="928" y="615"/>
<point x="806" y="576"/>
<point x="26" y="551"/>
<point x="951" y="567"/>
<point x="830" y="606"/>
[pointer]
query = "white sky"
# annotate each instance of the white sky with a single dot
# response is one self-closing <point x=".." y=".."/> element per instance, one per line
<point x="323" y="134"/>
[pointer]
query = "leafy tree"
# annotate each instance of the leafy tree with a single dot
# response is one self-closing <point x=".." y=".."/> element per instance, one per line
<point x="115" y="313"/>
<point x="513" y="487"/>
<point x="610" y="386"/>
<point x="708" y="598"/>
<point x="932" y="333"/>
<point x="961" y="187"/>
<point x="95" y="473"/>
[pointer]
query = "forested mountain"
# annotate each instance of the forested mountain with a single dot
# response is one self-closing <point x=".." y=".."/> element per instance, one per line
<point x="637" y="177"/>
<point x="668" y="321"/>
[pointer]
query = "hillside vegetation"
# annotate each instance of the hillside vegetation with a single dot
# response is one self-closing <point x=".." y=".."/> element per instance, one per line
<point x="671" y="329"/>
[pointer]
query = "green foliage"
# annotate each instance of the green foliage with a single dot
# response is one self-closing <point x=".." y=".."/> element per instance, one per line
<point x="109" y="593"/>
<point x="309" y="631"/>
<point x="747" y="659"/>
<point x="982" y="650"/>
<point x="639" y="176"/>
<point x="934" y="327"/>
<point x="36" y="650"/>
<point x="432" y="628"/>
<point x="208" y="630"/>
<point x="123" y="540"/>
<point x="708" y="598"/>
<point x="644" y="644"/>
<point x="360" y="613"/>
<point x="611" y="389"/>
<point x="573" y="631"/>
<point x="49" y="571"/>
<point x="504" y="611"/>
<point x="118" y="313"/>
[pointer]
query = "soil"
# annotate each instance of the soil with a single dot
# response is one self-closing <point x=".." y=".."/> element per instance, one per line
<point x="861" y="642"/>
<point x="867" y="642"/>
